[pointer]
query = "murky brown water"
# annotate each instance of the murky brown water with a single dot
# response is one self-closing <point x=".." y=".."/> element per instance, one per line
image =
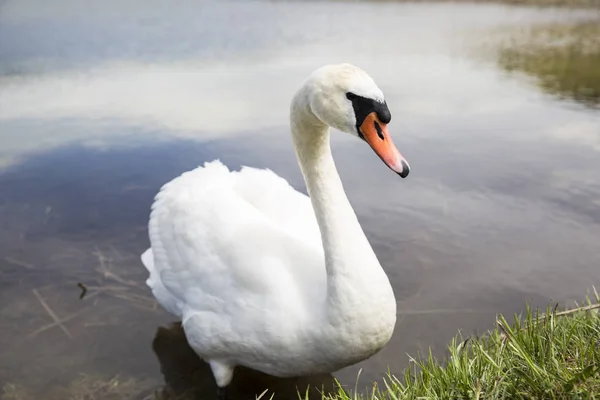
<point x="101" y="104"/>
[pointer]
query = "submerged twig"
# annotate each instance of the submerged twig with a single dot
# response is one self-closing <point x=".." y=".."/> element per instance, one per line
<point x="107" y="273"/>
<point x="52" y="325"/>
<point x="141" y="302"/>
<point x="140" y="297"/>
<point x="117" y="252"/>
<point x="83" y="290"/>
<point x="107" y="288"/>
<point x="19" y="263"/>
<point x="51" y="313"/>
<point x="65" y="319"/>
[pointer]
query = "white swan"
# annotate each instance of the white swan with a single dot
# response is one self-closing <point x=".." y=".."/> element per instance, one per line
<point x="258" y="276"/>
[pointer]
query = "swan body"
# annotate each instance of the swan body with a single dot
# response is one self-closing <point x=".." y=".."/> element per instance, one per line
<point x="264" y="276"/>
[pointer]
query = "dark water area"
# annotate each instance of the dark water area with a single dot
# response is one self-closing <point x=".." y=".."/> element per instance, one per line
<point x="100" y="107"/>
<point x="92" y="233"/>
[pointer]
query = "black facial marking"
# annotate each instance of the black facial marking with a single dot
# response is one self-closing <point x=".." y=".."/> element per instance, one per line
<point x="364" y="106"/>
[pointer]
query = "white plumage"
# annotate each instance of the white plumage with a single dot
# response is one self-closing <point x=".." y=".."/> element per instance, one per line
<point x="262" y="275"/>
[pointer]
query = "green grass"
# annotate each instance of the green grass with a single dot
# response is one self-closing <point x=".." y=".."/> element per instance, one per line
<point x="534" y="3"/>
<point x="555" y="355"/>
<point x="563" y="59"/>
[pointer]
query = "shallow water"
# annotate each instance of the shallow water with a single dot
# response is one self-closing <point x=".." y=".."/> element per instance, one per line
<point x="103" y="103"/>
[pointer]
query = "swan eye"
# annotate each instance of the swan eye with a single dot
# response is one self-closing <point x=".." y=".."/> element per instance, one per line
<point x="363" y="107"/>
<point x="379" y="131"/>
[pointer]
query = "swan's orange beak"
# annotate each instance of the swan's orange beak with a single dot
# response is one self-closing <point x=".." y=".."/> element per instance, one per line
<point x="376" y="134"/>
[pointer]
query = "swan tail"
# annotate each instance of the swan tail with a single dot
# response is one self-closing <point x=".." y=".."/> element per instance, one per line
<point x="148" y="260"/>
<point x="154" y="282"/>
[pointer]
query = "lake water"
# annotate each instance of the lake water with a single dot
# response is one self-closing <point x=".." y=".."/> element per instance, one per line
<point x="103" y="102"/>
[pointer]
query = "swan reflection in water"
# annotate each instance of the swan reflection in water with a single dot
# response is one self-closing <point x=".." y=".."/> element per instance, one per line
<point x="188" y="377"/>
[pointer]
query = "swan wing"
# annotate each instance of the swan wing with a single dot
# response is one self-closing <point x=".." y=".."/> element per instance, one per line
<point x="224" y="242"/>
<point x="277" y="200"/>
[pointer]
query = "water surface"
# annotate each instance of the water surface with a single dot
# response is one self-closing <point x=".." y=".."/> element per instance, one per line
<point x="102" y="103"/>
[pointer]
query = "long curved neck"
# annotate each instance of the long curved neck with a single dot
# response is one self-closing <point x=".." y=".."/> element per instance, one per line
<point x="354" y="275"/>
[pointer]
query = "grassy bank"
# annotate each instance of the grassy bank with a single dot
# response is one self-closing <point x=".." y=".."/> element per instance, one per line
<point x="554" y="355"/>
<point x="562" y="58"/>
<point x="534" y="3"/>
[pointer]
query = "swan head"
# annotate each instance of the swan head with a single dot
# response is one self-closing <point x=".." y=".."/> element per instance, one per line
<point x="346" y="98"/>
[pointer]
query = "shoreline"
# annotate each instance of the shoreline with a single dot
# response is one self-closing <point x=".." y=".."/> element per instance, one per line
<point x="552" y="355"/>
